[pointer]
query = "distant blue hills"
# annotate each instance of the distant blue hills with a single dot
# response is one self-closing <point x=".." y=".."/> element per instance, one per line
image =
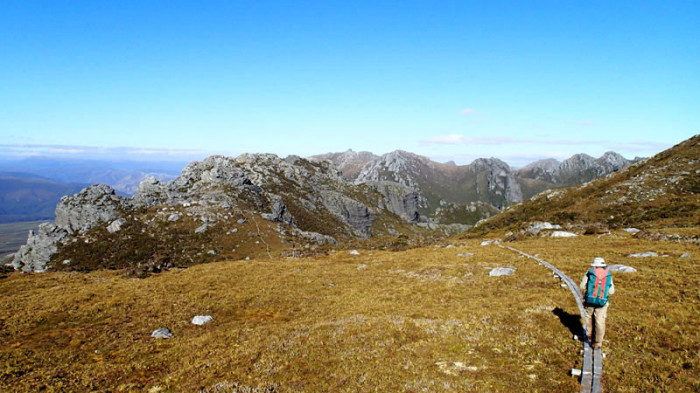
<point x="30" y="188"/>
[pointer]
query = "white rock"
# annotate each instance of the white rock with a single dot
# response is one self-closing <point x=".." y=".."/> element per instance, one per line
<point x="174" y="217"/>
<point x="201" y="229"/>
<point x="66" y="261"/>
<point x="644" y="254"/>
<point x="501" y="271"/>
<point x="686" y="255"/>
<point x="450" y="246"/>
<point x="162" y="333"/>
<point x="354" y="252"/>
<point x="466" y="254"/>
<point x="622" y="269"/>
<point x="116" y="225"/>
<point x="362" y="267"/>
<point x="563" y="234"/>
<point x="201" y="319"/>
<point x="631" y="230"/>
<point x="537" y="226"/>
<point x="211" y="252"/>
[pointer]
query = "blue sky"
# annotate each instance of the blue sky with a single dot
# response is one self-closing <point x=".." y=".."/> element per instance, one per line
<point x="451" y="80"/>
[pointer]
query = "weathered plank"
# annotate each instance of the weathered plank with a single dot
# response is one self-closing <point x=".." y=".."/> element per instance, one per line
<point x="597" y="370"/>
<point x="587" y="369"/>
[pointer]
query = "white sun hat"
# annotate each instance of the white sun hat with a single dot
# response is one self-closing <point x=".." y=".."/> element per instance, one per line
<point x="598" y="262"/>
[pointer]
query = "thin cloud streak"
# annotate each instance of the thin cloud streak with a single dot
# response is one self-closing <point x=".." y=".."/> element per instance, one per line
<point x="584" y="123"/>
<point x="9" y="151"/>
<point x="457" y="139"/>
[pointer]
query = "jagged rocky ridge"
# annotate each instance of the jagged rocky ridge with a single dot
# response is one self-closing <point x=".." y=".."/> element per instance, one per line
<point x="485" y="187"/>
<point x="259" y="204"/>
<point x="660" y="192"/>
<point x="252" y="205"/>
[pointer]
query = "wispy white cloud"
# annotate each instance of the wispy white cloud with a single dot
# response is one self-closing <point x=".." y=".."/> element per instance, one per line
<point x="457" y="139"/>
<point x="9" y="151"/>
<point x="584" y="123"/>
<point x="467" y="112"/>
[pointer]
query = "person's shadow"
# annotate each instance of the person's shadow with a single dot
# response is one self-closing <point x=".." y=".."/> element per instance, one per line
<point x="571" y="321"/>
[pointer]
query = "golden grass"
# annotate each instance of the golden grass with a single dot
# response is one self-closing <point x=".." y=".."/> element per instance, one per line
<point x="411" y="321"/>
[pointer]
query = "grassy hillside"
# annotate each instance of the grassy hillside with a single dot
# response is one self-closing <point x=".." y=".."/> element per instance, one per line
<point x="663" y="191"/>
<point x="424" y="319"/>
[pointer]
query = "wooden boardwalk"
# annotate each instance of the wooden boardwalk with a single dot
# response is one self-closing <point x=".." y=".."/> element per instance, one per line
<point x="592" y="370"/>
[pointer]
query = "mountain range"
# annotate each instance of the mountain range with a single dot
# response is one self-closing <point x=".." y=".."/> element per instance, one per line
<point x="663" y="191"/>
<point x="258" y="204"/>
<point x="123" y="176"/>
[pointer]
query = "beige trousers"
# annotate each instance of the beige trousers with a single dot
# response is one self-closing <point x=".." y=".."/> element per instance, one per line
<point x="599" y="314"/>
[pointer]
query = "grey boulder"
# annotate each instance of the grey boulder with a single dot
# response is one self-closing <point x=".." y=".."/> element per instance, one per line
<point x="116" y="225"/>
<point x="621" y="269"/>
<point x="202" y="319"/>
<point x="643" y="254"/>
<point x="501" y="271"/>
<point x="162" y="333"/>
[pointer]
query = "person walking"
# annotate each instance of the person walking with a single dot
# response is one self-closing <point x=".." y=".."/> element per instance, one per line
<point x="596" y="286"/>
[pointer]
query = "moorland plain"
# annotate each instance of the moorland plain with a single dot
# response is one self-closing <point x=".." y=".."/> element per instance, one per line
<point x="407" y="321"/>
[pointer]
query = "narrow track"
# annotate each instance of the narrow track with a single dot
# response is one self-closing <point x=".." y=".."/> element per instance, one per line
<point x="592" y="370"/>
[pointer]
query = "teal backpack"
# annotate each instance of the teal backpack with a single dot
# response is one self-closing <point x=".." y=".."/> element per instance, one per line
<point x="599" y="281"/>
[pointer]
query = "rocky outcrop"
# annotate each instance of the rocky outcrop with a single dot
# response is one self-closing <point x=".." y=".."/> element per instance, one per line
<point x="279" y="212"/>
<point x="41" y="245"/>
<point x="503" y="188"/>
<point x="400" y="200"/>
<point x="74" y="214"/>
<point x="355" y="214"/>
<point x="92" y="205"/>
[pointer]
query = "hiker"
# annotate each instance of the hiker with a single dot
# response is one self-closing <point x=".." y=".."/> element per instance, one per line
<point x="596" y="286"/>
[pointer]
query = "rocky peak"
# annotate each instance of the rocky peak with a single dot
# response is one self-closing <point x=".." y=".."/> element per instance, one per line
<point x="577" y="169"/>
<point x="613" y="161"/>
<point x="493" y="164"/>
<point x="349" y="162"/>
<point x="398" y="166"/>
<point x="548" y="165"/>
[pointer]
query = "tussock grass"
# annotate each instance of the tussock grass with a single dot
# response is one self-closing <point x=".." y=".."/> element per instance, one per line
<point x="411" y="321"/>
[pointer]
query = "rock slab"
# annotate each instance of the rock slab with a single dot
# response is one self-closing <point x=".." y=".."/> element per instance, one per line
<point x="622" y="269"/>
<point x="116" y="225"/>
<point x="501" y="271"/>
<point x="643" y="254"/>
<point x="162" y="333"/>
<point x="202" y="319"/>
